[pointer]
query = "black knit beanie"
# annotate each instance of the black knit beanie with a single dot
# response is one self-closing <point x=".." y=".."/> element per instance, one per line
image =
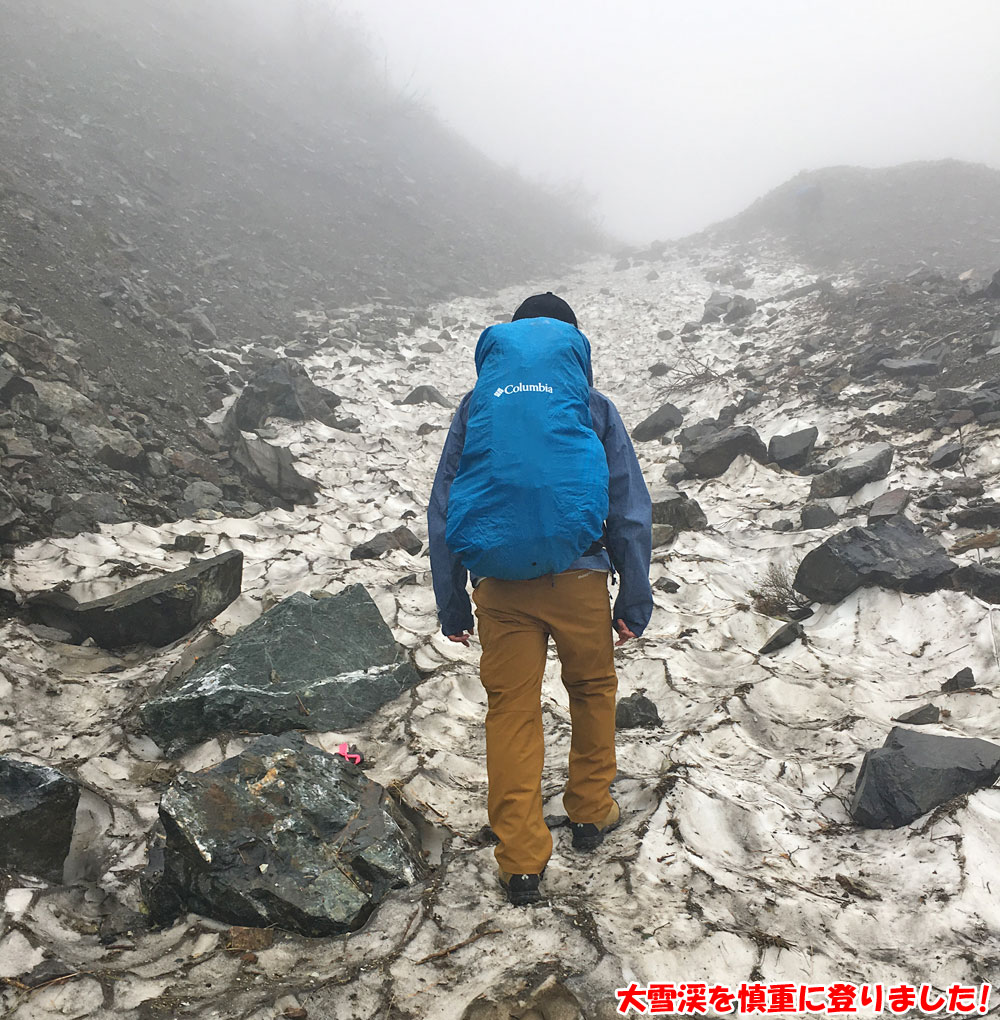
<point x="545" y="306"/>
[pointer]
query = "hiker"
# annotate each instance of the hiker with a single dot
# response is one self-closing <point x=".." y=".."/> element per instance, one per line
<point x="539" y="496"/>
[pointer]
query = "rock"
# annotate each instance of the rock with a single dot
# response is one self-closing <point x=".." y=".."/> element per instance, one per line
<point x="692" y="433"/>
<point x="892" y="553"/>
<point x="432" y="347"/>
<point x="664" y="419"/>
<point x="946" y="456"/>
<point x="963" y="680"/>
<point x="792" y="451"/>
<point x="660" y="368"/>
<point x="156" y="612"/>
<point x="673" y="507"/>
<point x="665" y="334"/>
<point x="889" y="504"/>
<point x="635" y="711"/>
<point x="202" y="495"/>
<point x="970" y="487"/>
<point x="981" y="580"/>
<point x="274" y="468"/>
<point x="78" y="512"/>
<point x="281" y="389"/>
<point x="782" y="638"/>
<point x="117" y="449"/>
<point x="674" y="471"/>
<point x="783" y="525"/>
<point x="426" y="395"/>
<point x="869" y="464"/>
<point x="663" y="534"/>
<point x="914" y="772"/>
<point x="400" y="538"/>
<point x="711" y="455"/>
<point x="187" y="543"/>
<point x="13" y="385"/>
<point x="321" y="664"/>
<point x="199" y="325"/>
<point x="909" y="367"/>
<point x="739" y="308"/>
<point x="924" y="716"/>
<point x="936" y="501"/>
<point x="730" y="308"/>
<point x="285" y="835"/>
<point x="817" y="515"/>
<point x="37" y="814"/>
<point x="666" y="584"/>
<point x="982" y="515"/>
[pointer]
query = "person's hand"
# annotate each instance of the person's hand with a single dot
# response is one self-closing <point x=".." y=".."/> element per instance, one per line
<point x="461" y="639"/>
<point x="623" y="632"/>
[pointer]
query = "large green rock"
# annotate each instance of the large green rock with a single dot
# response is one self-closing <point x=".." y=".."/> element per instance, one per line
<point x="285" y="835"/>
<point x="308" y="664"/>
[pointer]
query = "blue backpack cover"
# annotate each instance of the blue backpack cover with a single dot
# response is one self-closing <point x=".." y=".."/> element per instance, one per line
<point x="531" y="492"/>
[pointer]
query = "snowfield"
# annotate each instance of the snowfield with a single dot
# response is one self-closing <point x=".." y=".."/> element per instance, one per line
<point x="737" y="859"/>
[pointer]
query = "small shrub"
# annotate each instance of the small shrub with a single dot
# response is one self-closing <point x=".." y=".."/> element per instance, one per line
<point x="774" y="595"/>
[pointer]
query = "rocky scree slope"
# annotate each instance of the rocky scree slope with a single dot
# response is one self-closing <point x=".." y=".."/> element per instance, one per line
<point x="884" y="222"/>
<point x="746" y="852"/>
<point x="177" y="181"/>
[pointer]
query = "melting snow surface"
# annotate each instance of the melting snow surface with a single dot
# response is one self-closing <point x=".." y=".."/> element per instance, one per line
<point x="736" y="831"/>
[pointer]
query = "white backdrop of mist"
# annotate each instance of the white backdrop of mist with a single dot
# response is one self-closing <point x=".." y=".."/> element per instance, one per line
<point x="663" y="116"/>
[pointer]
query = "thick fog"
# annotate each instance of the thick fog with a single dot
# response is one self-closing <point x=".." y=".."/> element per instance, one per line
<point x="666" y="116"/>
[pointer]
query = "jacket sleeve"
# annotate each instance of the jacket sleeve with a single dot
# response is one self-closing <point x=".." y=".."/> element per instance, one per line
<point x="449" y="576"/>
<point x="629" y="524"/>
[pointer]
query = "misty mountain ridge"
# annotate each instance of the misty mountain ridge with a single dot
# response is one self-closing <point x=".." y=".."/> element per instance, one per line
<point x="943" y="215"/>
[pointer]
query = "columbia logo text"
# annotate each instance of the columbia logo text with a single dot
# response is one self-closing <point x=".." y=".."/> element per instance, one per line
<point x="522" y="388"/>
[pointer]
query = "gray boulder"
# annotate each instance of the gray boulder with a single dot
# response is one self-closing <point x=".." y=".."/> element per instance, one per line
<point x="663" y="420"/>
<point x="670" y="506"/>
<point x="892" y="553"/>
<point x="272" y="467"/>
<point x="155" y="612"/>
<point x="426" y="395"/>
<point x="634" y="711"/>
<point x="963" y="680"/>
<point x="889" y="504"/>
<point x="792" y="451"/>
<point x="37" y="814"/>
<point x="711" y="455"/>
<point x="913" y="772"/>
<point x="817" y="515"/>
<point x="946" y="456"/>
<point x="981" y="580"/>
<point x="281" y="389"/>
<point x="782" y="638"/>
<point x="308" y="663"/>
<point x="283" y="835"/>
<point x="926" y="715"/>
<point x="982" y="515"/>
<point x="909" y="367"/>
<point x="400" y="538"/>
<point x="852" y="472"/>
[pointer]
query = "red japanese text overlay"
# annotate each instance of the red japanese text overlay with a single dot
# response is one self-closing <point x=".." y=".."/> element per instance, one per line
<point x="834" y="999"/>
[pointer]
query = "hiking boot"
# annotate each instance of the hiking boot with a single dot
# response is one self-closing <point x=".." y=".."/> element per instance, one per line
<point x="521" y="889"/>
<point x="589" y="836"/>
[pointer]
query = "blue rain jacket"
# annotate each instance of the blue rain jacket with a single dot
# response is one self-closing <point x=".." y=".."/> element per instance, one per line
<point x="628" y="536"/>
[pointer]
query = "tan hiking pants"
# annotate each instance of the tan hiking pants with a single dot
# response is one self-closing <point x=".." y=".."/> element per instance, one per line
<point x="515" y="621"/>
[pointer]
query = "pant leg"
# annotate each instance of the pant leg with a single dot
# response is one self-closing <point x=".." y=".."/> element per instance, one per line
<point x="511" y="669"/>
<point x="580" y="622"/>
